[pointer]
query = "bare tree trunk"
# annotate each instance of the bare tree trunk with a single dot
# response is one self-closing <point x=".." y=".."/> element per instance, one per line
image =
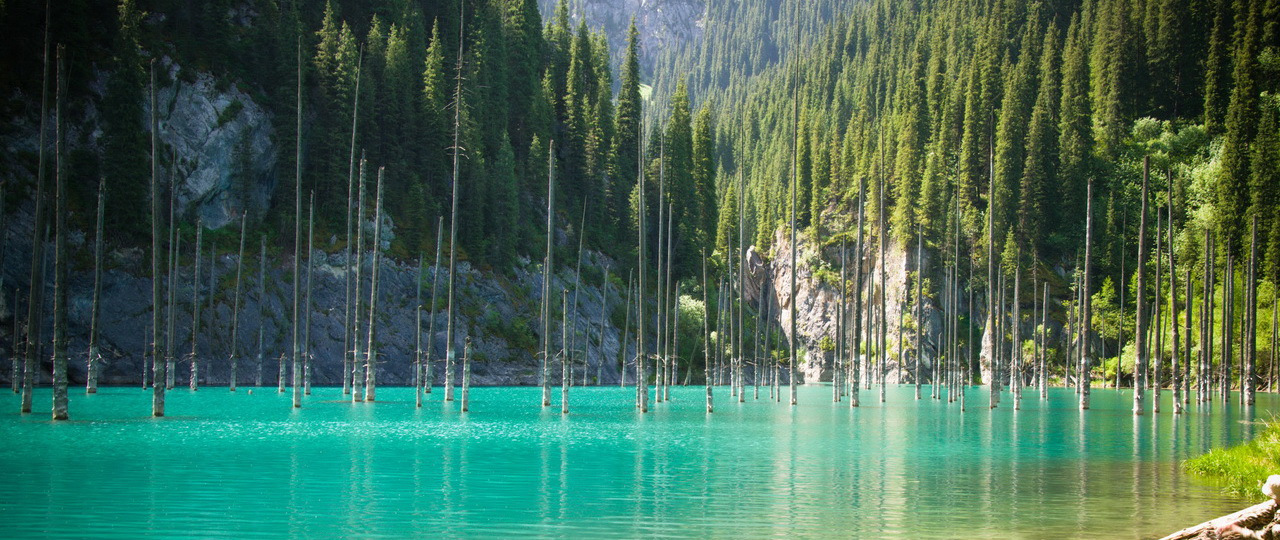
<point x="157" y="366"/>
<point x="427" y="376"/>
<point x="883" y="318"/>
<point x="564" y="353"/>
<point x="235" y="309"/>
<point x="306" y="327"/>
<point x="1086" y="308"/>
<point x="35" y="301"/>
<point x="1156" y="359"/>
<point x="626" y="329"/>
<point x="548" y="268"/>
<point x="856" y="360"/>
<point x="1174" y="373"/>
<point x="262" y="308"/>
<point x="604" y="304"/>
<point x="95" y="357"/>
<point x="60" y="256"/>
<point x="1250" y="320"/>
<point x="1228" y="324"/>
<point x="795" y="175"/>
<point x="1015" y="360"/>
<point x="357" y="351"/>
<point x="706" y="334"/>
<point x="297" y="247"/>
<point x="371" y="362"/>
<point x="16" y="347"/>
<point x="577" y="289"/>
<point x="1206" y="320"/>
<point x="453" y="215"/>
<point x="661" y="289"/>
<point x="348" y="314"/>
<point x="193" y="382"/>
<point x="175" y="249"/>
<point x="466" y="374"/>
<point x="1140" y="334"/>
<point x="417" y="336"/>
<point x="666" y="328"/>
<point x="642" y="400"/>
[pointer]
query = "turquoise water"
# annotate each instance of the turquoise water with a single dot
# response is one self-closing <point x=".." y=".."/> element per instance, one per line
<point x="249" y="466"/>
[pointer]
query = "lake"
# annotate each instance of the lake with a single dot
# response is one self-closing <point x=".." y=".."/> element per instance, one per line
<point x="249" y="466"/>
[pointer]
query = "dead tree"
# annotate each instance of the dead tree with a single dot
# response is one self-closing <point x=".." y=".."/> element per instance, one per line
<point x="1140" y="335"/>
<point x="157" y="367"/>
<point x="235" y="309"/>
<point x="95" y="356"/>
<point x="297" y="244"/>
<point x="60" y="256"/>
<point x="427" y="379"/>
<point x="195" y="309"/>
<point x="371" y="360"/>
<point x="453" y="214"/>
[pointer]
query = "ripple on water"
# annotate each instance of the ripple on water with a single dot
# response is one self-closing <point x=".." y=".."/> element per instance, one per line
<point x="250" y="466"/>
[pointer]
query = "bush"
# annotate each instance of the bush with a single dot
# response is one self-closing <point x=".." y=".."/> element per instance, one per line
<point x="1240" y="470"/>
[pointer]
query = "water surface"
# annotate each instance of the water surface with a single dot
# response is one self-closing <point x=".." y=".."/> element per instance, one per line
<point x="249" y="466"/>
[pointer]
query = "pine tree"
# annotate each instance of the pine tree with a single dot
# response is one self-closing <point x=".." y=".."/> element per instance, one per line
<point x="1075" y="135"/>
<point x="1039" y="173"/>
<point x="1216" y="67"/>
<point x="1241" y="126"/>
<point x="627" y="142"/>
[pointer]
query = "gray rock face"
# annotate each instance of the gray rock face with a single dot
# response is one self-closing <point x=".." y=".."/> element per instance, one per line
<point x="500" y="313"/>
<point x="223" y="142"/>
<point x="662" y="24"/>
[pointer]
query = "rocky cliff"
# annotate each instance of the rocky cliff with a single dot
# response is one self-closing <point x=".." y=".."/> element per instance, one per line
<point x="662" y="24"/>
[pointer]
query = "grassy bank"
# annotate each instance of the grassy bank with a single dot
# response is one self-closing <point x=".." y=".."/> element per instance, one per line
<point x="1241" y="469"/>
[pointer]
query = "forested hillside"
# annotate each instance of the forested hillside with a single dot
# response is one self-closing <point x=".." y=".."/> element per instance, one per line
<point x="942" y="98"/>
<point x="393" y="67"/>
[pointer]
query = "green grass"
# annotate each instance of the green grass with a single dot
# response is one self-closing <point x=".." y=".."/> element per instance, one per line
<point x="1241" y="469"/>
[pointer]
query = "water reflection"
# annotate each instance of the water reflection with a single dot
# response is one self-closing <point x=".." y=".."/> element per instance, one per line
<point x="248" y="466"/>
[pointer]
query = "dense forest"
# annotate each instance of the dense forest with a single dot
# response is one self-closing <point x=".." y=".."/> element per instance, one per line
<point x="392" y="68"/>
<point x="979" y="126"/>
<point x="1004" y="110"/>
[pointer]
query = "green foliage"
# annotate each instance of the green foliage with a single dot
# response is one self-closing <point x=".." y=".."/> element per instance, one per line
<point x="1241" y="470"/>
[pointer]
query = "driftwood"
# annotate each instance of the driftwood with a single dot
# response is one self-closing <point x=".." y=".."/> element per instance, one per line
<point x="1257" y="521"/>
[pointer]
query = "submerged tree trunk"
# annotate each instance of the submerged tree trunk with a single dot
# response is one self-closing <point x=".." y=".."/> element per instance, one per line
<point x="626" y="330"/>
<point x="157" y="366"/>
<point x="195" y="308"/>
<point x="466" y="374"/>
<point x="175" y="248"/>
<point x="262" y="308"/>
<point x="1251" y="320"/>
<point x="1175" y="379"/>
<point x="306" y="327"/>
<point x="564" y="353"/>
<point x="297" y="247"/>
<point x="95" y="357"/>
<point x="357" y="352"/>
<point x="1140" y="334"/>
<point x="706" y="334"/>
<point x="348" y="314"/>
<point x="35" y="301"/>
<point x="417" y="335"/>
<point x="235" y="309"/>
<point x="427" y="378"/>
<point x="371" y="360"/>
<point x="856" y="360"/>
<point x="1087" y="309"/>
<point x="453" y="215"/>
<point x="60" y="256"/>
<point x="547" y="269"/>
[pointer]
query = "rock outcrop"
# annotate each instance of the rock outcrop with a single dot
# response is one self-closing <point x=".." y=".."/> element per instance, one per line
<point x="662" y="24"/>
<point x="223" y="143"/>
